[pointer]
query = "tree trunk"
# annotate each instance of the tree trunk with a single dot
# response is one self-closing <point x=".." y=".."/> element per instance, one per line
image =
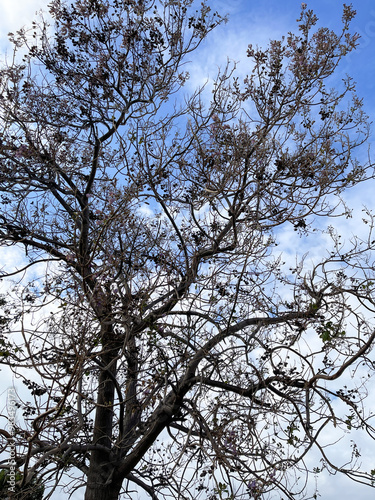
<point x="99" y="491"/>
<point x="101" y="483"/>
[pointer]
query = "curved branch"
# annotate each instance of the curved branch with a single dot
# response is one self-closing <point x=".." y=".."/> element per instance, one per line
<point x="148" y="489"/>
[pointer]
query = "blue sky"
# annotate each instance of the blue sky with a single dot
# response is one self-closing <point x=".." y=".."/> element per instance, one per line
<point x="256" y="22"/>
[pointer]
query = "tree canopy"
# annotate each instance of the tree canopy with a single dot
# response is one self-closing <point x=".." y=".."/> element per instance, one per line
<point x="165" y="344"/>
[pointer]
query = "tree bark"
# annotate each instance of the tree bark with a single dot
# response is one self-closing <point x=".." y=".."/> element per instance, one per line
<point x="101" y="483"/>
<point x="96" y="490"/>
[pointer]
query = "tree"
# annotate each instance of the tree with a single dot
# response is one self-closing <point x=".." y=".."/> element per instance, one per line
<point x="31" y="491"/>
<point x="166" y="346"/>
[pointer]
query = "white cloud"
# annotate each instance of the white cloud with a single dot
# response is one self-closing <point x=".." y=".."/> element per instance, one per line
<point x="17" y="14"/>
<point x="230" y="41"/>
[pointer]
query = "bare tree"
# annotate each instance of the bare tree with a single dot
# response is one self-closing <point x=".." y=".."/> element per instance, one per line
<point x="165" y="345"/>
